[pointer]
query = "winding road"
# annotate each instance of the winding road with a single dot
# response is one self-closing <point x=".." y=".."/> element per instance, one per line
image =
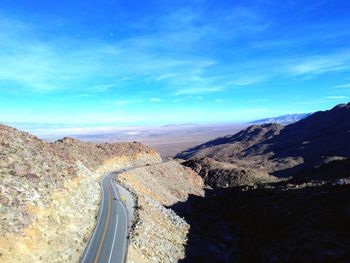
<point x="109" y="241"/>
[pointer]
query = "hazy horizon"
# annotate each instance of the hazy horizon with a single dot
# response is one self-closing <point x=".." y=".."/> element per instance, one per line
<point x="137" y="131"/>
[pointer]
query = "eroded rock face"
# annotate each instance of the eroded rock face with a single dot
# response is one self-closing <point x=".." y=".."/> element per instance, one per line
<point x="50" y="193"/>
<point x="158" y="234"/>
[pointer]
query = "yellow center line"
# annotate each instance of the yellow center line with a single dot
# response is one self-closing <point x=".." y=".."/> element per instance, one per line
<point x="106" y="226"/>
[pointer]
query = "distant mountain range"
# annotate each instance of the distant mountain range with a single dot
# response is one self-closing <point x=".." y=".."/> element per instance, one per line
<point x="283" y="119"/>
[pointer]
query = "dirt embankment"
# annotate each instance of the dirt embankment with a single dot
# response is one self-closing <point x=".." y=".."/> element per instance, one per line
<point x="158" y="234"/>
<point x="50" y="193"/>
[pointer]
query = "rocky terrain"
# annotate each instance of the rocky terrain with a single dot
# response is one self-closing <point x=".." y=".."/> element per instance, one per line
<point x="282" y="151"/>
<point x="300" y="214"/>
<point x="158" y="234"/>
<point x="280" y="222"/>
<point x="226" y="156"/>
<point x="50" y="193"/>
<point x="225" y="174"/>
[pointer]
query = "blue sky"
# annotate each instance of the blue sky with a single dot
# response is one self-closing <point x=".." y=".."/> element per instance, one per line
<point x="136" y="62"/>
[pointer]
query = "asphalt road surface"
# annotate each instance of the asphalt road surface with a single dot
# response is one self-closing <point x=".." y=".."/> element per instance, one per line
<point x="109" y="239"/>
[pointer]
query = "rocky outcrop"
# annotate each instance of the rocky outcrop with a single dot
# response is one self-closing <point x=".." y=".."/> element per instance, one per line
<point x="158" y="234"/>
<point x="222" y="174"/>
<point x="50" y="193"/>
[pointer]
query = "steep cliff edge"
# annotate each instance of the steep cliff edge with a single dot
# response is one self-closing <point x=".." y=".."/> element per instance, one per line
<point x="50" y="193"/>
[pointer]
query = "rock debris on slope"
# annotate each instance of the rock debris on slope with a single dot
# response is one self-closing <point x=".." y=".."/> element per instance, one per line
<point x="158" y="234"/>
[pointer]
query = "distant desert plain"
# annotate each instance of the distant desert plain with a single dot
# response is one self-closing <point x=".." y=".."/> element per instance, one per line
<point x="168" y="140"/>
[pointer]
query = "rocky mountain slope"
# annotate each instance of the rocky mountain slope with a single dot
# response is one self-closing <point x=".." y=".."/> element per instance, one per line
<point x="304" y="221"/>
<point x="225" y="174"/>
<point x="50" y="193"/>
<point x="300" y="214"/>
<point x="224" y="148"/>
<point x="158" y="234"/>
<point x="282" y="151"/>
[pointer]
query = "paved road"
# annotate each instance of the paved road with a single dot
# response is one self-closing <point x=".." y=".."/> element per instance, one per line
<point x="109" y="240"/>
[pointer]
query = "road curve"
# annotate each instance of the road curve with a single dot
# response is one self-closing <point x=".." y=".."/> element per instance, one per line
<point x="109" y="239"/>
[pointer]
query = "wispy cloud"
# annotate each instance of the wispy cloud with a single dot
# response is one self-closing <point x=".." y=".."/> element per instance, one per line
<point x="336" y="97"/>
<point x="342" y="86"/>
<point x="65" y="65"/>
<point x="249" y="80"/>
<point x="316" y="66"/>
<point x="60" y="64"/>
<point x="166" y="76"/>
<point x="320" y="33"/>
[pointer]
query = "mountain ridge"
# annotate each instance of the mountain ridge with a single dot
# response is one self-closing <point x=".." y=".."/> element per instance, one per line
<point x="301" y="215"/>
<point x="283" y="150"/>
<point x="283" y="119"/>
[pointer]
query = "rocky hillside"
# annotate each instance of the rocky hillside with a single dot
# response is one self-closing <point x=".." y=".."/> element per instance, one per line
<point x="225" y="174"/>
<point x="281" y="151"/>
<point x="304" y="219"/>
<point x="50" y="193"/>
<point x="300" y="214"/>
<point x="158" y="234"/>
<point x="224" y="148"/>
